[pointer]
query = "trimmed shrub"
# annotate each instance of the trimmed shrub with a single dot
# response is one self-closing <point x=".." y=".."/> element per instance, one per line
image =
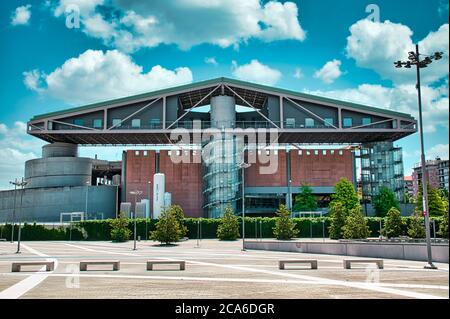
<point x="284" y="225"/>
<point x="229" y="226"/>
<point x="415" y="227"/>
<point x="167" y="228"/>
<point x="177" y="211"/>
<point x="345" y="193"/>
<point x="119" y="229"/>
<point x="338" y="215"/>
<point x="355" y="225"/>
<point x="394" y="225"/>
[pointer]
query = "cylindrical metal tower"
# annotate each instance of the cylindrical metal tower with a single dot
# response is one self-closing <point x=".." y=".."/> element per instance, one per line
<point x="220" y="170"/>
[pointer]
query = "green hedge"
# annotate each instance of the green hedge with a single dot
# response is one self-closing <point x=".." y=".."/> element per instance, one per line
<point x="101" y="229"/>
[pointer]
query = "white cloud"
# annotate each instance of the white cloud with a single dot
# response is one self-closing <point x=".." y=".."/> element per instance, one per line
<point x="256" y="72"/>
<point x="376" y="45"/>
<point x="402" y="98"/>
<point x="17" y="147"/>
<point x="97" y="75"/>
<point x="21" y="15"/>
<point x="329" y="72"/>
<point x="187" y="23"/>
<point x="298" y="73"/>
<point x="438" y="150"/>
<point x="211" y="60"/>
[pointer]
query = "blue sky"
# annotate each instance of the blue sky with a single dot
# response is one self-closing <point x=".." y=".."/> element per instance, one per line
<point x="126" y="47"/>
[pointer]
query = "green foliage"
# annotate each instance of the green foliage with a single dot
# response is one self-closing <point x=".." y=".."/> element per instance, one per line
<point x="305" y="200"/>
<point x="355" y="225"/>
<point x="443" y="227"/>
<point x="119" y="229"/>
<point x="167" y="228"/>
<point x="384" y="201"/>
<point x="346" y="194"/>
<point x="415" y="226"/>
<point x="177" y="211"/>
<point x="436" y="205"/>
<point x="229" y="226"/>
<point x="284" y="226"/>
<point x="394" y="225"/>
<point x="338" y="215"/>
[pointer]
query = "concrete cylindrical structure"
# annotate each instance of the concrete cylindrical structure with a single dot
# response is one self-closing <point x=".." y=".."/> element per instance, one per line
<point x="223" y="111"/>
<point x="158" y="194"/>
<point x="60" y="150"/>
<point x="58" y="171"/>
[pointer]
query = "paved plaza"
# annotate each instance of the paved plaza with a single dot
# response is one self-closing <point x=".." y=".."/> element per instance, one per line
<point x="214" y="269"/>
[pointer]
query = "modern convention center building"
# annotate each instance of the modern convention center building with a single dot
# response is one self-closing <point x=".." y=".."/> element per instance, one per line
<point x="205" y="146"/>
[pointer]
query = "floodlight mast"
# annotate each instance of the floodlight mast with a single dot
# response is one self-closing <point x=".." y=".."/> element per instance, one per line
<point x="414" y="59"/>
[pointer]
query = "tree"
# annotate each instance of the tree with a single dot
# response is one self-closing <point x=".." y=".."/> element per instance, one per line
<point x="177" y="211"/>
<point x="119" y="229"/>
<point x="415" y="227"/>
<point x="436" y="205"/>
<point x="345" y="193"/>
<point x="338" y="216"/>
<point x="229" y="225"/>
<point x="384" y="201"/>
<point x="443" y="227"/>
<point x="305" y="200"/>
<point x="394" y="224"/>
<point x="284" y="225"/>
<point x="167" y="228"/>
<point x="355" y="225"/>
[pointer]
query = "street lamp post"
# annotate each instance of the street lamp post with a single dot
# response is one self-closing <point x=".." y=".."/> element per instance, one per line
<point x="87" y="192"/>
<point x="414" y="59"/>
<point x="135" y="193"/>
<point x="14" y="210"/>
<point x="243" y="166"/>
<point x="22" y="185"/>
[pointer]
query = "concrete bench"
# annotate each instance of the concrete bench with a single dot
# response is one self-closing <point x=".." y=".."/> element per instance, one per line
<point x="150" y="263"/>
<point x="114" y="263"/>
<point x="347" y="262"/>
<point x="49" y="265"/>
<point x="312" y="262"/>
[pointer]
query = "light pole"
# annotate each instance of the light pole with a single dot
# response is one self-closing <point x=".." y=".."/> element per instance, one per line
<point x="414" y="59"/>
<point x="14" y="210"/>
<point x="22" y="185"/>
<point x="149" y="211"/>
<point x="135" y="193"/>
<point x="87" y="192"/>
<point x="243" y="166"/>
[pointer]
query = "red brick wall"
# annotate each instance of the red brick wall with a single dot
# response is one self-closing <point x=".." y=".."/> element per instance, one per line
<point x="314" y="170"/>
<point x="183" y="180"/>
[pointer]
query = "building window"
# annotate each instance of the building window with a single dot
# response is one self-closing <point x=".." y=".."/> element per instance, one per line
<point x="316" y="152"/>
<point x="136" y="123"/>
<point x="366" y="120"/>
<point x="324" y="152"/>
<point x="308" y="153"/>
<point x="117" y="122"/>
<point x="136" y="153"/>
<point x="341" y="152"/>
<point x="348" y="122"/>
<point x="155" y="123"/>
<point x="332" y="152"/>
<point x="300" y="152"/>
<point x="98" y="123"/>
<point x="145" y="153"/>
<point x="328" y="121"/>
<point x="309" y="122"/>
<point x="79" y="122"/>
<point x="290" y="123"/>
